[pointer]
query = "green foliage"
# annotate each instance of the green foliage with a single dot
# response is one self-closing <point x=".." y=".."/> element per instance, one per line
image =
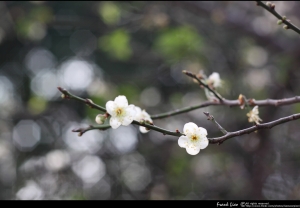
<point x="31" y="26"/>
<point x="37" y="104"/>
<point x="131" y="92"/>
<point x="116" y="44"/>
<point x="178" y="43"/>
<point x="43" y="14"/>
<point x="109" y="12"/>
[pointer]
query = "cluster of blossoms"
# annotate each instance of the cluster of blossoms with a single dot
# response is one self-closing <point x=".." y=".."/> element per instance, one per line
<point x="194" y="138"/>
<point x="123" y="114"/>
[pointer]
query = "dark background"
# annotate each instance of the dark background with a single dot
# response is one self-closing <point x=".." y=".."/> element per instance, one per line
<point x="100" y="50"/>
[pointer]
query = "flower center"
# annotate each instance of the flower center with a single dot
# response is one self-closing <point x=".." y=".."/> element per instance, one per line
<point x="194" y="137"/>
<point x="119" y="111"/>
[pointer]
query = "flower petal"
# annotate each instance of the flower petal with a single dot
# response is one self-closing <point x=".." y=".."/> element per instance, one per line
<point x="190" y="128"/>
<point x="110" y="108"/>
<point x="114" y="122"/>
<point x="127" y="120"/>
<point x="130" y="114"/>
<point x="192" y="150"/>
<point x="121" y="101"/>
<point x="183" y="141"/>
<point x="255" y="110"/>
<point x="201" y="131"/>
<point x="203" y="142"/>
<point x="138" y="113"/>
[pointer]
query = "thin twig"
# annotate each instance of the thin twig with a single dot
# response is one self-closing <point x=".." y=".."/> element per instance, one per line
<point x="211" y="118"/>
<point x="280" y="17"/>
<point x="68" y="95"/>
<point x="228" y="135"/>
<point x="83" y="130"/>
<point x="230" y="103"/>
<point x="203" y="84"/>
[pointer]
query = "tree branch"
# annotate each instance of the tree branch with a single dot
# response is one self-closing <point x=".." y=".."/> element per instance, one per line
<point x="68" y="95"/>
<point x="271" y="9"/>
<point x="177" y="133"/>
<point x="230" y="103"/>
<point x="228" y="135"/>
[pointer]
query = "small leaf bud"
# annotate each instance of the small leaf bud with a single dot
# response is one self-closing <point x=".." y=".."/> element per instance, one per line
<point x="279" y="22"/>
<point x="286" y="27"/>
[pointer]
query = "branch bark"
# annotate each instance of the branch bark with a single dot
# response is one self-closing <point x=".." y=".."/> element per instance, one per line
<point x="230" y="103"/>
<point x="228" y="135"/>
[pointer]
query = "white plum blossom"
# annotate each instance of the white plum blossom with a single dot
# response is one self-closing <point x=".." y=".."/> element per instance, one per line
<point x="194" y="139"/>
<point x="214" y="80"/>
<point x="253" y="115"/>
<point x="140" y="116"/>
<point x="121" y="113"/>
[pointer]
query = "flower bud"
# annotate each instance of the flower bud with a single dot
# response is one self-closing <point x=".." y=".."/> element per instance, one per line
<point x="272" y="6"/>
<point x="279" y="22"/>
<point x="100" y="119"/>
<point x="241" y="101"/>
<point x="63" y="96"/>
<point x="89" y="101"/>
<point x="269" y="4"/>
<point x="286" y="27"/>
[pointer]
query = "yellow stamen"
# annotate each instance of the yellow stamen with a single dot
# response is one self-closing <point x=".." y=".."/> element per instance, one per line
<point x="119" y="111"/>
<point x="194" y="137"/>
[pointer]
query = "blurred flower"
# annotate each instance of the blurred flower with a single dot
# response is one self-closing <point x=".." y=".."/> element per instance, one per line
<point x="142" y="115"/>
<point x="253" y="115"/>
<point x="194" y="140"/>
<point x="214" y="80"/>
<point x="120" y="111"/>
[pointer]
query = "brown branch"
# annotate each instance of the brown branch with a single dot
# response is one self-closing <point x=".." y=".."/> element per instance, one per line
<point x="228" y="135"/>
<point x="230" y="103"/>
<point x="217" y="140"/>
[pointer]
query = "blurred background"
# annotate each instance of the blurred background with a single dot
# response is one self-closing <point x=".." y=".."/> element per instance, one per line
<point x="100" y="50"/>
